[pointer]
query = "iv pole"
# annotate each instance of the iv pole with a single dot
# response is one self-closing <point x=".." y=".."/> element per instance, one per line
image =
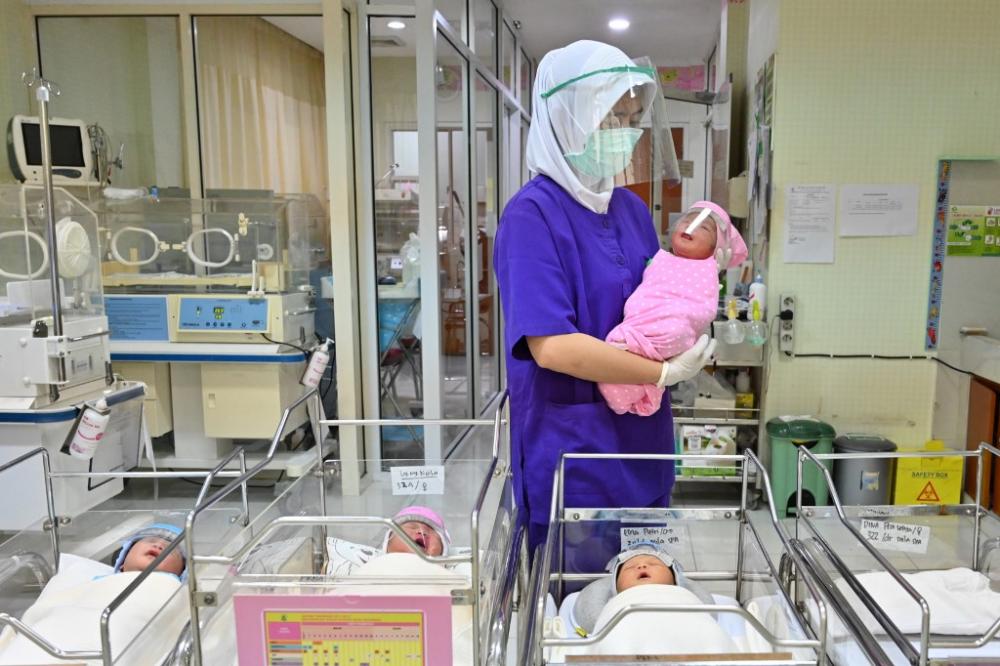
<point x="43" y="89"/>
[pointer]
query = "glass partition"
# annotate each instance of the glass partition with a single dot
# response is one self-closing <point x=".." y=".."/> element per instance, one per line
<point x="454" y="213"/>
<point x="261" y="103"/>
<point x="121" y="76"/>
<point x="508" y="57"/>
<point x="486" y="322"/>
<point x="524" y="83"/>
<point x="454" y="11"/>
<point x="395" y="201"/>
<point x="486" y="33"/>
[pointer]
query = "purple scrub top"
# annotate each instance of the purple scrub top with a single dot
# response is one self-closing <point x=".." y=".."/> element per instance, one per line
<point x="562" y="268"/>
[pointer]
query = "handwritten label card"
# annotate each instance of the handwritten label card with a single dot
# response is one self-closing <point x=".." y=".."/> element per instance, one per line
<point x="418" y="480"/>
<point x="896" y="536"/>
<point x="665" y="536"/>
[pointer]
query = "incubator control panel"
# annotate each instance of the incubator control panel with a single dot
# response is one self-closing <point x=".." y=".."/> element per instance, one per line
<point x="227" y="315"/>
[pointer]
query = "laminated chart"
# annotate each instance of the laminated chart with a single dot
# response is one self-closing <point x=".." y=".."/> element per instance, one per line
<point x="343" y="629"/>
<point x="344" y="639"/>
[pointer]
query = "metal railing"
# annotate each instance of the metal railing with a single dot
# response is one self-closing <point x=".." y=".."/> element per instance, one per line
<point x="105" y="655"/>
<point x="919" y="655"/>
<point x="498" y="471"/>
<point x="534" y="644"/>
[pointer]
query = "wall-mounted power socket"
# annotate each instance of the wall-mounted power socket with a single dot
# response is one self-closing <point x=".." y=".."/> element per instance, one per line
<point x="786" y="329"/>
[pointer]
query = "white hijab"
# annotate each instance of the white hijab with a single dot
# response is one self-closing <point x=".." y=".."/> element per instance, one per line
<point x="563" y="122"/>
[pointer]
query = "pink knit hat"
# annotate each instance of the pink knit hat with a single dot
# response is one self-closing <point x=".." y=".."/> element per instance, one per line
<point x="727" y="236"/>
<point x="427" y="516"/>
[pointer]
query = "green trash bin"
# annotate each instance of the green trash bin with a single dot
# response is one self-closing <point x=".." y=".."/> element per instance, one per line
<point x="786" y="436"/>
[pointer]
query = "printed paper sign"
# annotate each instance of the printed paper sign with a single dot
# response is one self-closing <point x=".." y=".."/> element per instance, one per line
<point x="666" y="536"/>
<point x="974" y="231"/>
<point x="418" y="480"/>
<point x="896" y="536"/>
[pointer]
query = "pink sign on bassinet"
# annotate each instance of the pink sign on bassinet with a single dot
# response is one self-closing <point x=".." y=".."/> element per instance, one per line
<point x="343" y="630"/>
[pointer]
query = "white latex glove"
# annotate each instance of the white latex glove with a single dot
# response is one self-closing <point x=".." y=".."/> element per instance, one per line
<point x="686" y="365"/>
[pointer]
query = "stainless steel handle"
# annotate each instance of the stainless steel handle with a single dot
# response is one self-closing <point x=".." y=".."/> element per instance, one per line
<point x="99" y="334"/>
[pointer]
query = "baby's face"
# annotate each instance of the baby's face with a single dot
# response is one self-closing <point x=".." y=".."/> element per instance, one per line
<point x="644" y="570"/>
<point x="426" y="538"/>
<point x="144" y="551"/>
<point x="701" y="243"/>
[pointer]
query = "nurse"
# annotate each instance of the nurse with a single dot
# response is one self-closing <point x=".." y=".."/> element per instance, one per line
<point x="570" y="249"/>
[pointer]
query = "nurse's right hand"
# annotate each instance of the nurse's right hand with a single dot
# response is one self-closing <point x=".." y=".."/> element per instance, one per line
<point x="686" y="365"/>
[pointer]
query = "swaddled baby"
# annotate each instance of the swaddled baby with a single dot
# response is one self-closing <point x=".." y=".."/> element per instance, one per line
<point x="677" y="300"/>
<point x="422" y="525"/>
<point x="646" y="574"/>
<point x="68" y="611"/>
<point x="142" y="548"/>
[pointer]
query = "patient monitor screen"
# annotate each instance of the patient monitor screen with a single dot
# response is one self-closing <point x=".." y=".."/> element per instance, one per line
<point x="67" y="145"/>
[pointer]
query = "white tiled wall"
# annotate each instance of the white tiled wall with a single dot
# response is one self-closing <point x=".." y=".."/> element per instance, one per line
<point x="872" y="92"/>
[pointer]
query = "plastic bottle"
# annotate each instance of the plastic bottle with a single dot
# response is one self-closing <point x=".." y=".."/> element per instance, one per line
<point x="318" y="361"/>
<point x="743" y="381"/>
<point x="744" y="395"/>
<point x="758" y="293"/>
<point x="410" y="254"/>
<point x="756" y="329"/>
<point x="732" y="332"/>
<point x="89" y="431"/>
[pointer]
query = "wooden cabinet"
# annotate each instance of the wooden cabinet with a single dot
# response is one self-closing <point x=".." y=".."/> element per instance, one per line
<point x="983" y="422"/>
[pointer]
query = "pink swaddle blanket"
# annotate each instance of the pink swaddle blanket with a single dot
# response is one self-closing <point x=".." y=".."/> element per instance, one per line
<point x="664" y="316"/>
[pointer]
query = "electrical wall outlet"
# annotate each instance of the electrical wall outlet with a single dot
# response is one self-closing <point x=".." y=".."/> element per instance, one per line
<point x="786" y="328"/>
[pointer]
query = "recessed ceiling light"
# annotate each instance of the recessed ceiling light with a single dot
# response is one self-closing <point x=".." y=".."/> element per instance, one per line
<point x="619" y="24"/>
<point x="395" y="25"/>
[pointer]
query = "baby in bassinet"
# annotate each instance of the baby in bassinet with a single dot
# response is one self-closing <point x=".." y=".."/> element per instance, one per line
<point x="641" y="564"/>
<point x="424" y="526"/>
<point x="68" y="611"/>
<point x="645" y="574"/>
<point x="144" y="546"/>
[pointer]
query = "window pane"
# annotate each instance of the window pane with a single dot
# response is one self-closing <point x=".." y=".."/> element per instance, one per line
<point x="524" y="91"/>
<point x="130" y="87"/>
<point x="507" y="52"/>
<point x="487" y="319"/>
<point x="396" y="216"/>
<point x="453" y="232"/>
<point x="486" y="33"/>
<point x="454" y="12"/>
<point x="262" y="104"/>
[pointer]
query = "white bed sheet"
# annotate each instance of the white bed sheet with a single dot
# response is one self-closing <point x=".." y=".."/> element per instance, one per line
<point x="777" y="617"/>
<point x="960" y="601"/>
<point x="68" y="610"/>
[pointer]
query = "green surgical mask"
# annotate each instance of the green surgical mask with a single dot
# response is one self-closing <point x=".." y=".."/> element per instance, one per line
<point x="607" y="153"/>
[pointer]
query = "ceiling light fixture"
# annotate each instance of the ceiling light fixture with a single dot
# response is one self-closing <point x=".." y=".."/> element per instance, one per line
<point x="619" y="24"/>
<point x="395" y="25"/>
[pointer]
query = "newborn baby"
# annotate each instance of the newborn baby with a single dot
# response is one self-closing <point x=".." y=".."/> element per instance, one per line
<point x="143" y="547"/>
<point x="424" y="526"/>
<point x="643" y="569"/>
<point x="68" y="611"/>
<point x="644" y="574"/>
<point x="644" y="563"/>
<point x="677" y="300"/>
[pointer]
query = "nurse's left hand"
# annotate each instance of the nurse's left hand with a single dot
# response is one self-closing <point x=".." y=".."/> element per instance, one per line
<point x="687" y="364"/>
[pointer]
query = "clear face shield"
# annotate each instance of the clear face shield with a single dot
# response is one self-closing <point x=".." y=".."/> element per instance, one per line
<point x="612" y="126"/>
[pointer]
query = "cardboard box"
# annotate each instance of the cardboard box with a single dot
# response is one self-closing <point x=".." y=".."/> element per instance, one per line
<point x="928" y="480"/>
<point x="707" y="441"/>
